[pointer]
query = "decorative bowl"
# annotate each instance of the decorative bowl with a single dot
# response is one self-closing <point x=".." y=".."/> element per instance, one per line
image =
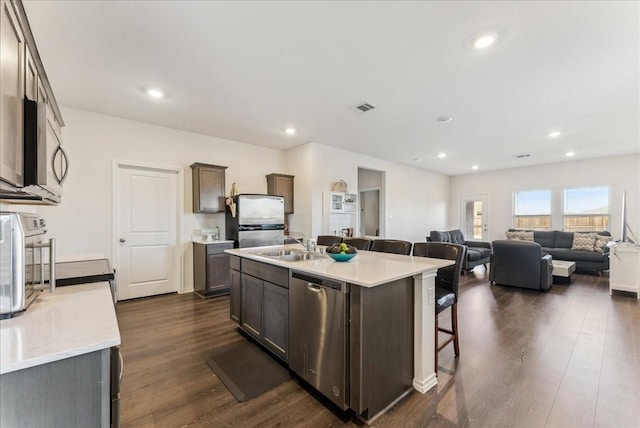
<point x="342" y="257"/>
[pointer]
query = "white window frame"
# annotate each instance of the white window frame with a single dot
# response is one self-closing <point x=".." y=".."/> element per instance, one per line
<point x="515" y="215"/>
<point x="564" y="204"/>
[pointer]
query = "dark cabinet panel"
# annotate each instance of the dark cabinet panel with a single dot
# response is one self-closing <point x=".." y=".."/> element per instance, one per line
<point x="252" y="295"/>
<point x="218" y="272"/>
<point x="208" y="188"/>
<point x="275" y="325"/>
<point x="259" y="305"/>
<point x="235" y="297"/>
<point x="282" y="185"/>
<point x="211" y="267"/>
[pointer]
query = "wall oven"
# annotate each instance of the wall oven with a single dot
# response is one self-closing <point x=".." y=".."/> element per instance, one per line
<point x="22" y="261"/>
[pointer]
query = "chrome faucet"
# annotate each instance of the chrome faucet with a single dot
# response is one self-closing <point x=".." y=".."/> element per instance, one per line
<point x="312" y="246"/>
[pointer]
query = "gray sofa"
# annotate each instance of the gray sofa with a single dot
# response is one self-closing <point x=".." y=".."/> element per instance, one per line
<point x="478" y="253"/>
<point x="559" y="243"/>
<point x="520" y="264"/>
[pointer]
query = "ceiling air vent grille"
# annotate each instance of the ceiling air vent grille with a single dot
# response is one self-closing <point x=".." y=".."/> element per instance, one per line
<point x="364" y="107"/>
<point x="522" y="156"/>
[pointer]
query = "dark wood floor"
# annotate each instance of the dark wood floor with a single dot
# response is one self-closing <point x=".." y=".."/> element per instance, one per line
<point x="566" y="358"/>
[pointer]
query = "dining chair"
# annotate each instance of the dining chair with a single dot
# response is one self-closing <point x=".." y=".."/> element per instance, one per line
<point x="328" y="240"/>
<point x="392" y="246"/>
<point x="446" y="289"/>
<point x="359" y="243"/>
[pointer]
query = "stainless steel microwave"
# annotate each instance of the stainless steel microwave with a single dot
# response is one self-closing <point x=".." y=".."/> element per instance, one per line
<point x="45" y="162"/>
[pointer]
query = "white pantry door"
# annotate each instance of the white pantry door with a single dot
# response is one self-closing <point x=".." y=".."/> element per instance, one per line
<point x="146" y="207"/>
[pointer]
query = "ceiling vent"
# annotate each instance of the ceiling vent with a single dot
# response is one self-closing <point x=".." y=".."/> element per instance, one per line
<point x="364" y="107"/>
<point x="522" y="156"/>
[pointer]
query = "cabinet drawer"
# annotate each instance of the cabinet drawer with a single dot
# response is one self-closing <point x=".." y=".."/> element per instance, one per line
<point x="235" y="262"/>
<point x="218" y="248"/>
<point x="273" y="274"/>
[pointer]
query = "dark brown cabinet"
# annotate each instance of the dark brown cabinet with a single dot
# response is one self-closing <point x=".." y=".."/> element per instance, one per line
<point x="252" y="292"/>
<point x="236" y="289"/>
<point x="211" y="269"/>
<point x="281" y="185"/>
<point x="208" y="188"/>
<point x="260" y="303"/>
<point x="275" y="326"/>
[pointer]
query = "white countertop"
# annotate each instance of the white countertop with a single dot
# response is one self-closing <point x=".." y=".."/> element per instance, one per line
<point x="74" y="320"/>
<point x="367" y="269"/>
<point x="213" y="241"/>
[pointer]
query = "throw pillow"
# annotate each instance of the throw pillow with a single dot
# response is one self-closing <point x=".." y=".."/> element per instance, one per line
<point x="583" y="241"/>
<point x="513" y="235"/>
<point x="601" y="243"/>
<point x="526" y="236"/>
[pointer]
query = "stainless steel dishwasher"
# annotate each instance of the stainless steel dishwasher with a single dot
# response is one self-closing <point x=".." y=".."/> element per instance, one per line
<point x="318" y="334"/>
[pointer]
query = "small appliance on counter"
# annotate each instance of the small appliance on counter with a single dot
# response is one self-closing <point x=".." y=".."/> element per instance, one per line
<point x="22" y="265"/>
<point x="210" y="234"/>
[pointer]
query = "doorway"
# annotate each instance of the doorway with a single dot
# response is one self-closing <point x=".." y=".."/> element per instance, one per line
<point x="146" y="229"/>
<point x="370" y="212"/>
<point x="371" y="202"/>
<point x="474" y="217"/>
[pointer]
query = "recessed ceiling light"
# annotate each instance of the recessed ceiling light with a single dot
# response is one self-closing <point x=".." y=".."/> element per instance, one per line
<point x="290" y="131"/>
<point x="155" y="93"/>
<point x="474" y="166"/>
<point x="569" y="154"/>
<point x="484" y="40"/>
<point x="554" y="134"/>
<point x="442" y="155"/>
<point x="445" y="119"/>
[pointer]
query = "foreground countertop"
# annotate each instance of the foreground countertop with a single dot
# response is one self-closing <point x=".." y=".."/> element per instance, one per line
<point x="367" y="269"/>
<point x="72" y="321"/>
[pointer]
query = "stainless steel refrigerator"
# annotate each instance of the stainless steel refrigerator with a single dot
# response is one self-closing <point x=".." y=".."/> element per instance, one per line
<point x="255" y="220"/>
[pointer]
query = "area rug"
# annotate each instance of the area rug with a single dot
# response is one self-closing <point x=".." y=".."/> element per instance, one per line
<point x="246" y="370"/>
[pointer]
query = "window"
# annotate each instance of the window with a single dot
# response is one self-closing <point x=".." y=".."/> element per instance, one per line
<point x="532" y="210"/>
<point x="586" y="209"/>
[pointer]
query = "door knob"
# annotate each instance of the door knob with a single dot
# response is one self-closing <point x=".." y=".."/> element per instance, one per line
<point x="122" y="240"/>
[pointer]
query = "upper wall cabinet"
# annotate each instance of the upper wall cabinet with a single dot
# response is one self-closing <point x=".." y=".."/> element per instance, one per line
<point x="281" y="185"/>
<point x="12" y="77"/>
<point x="32" y="162"/>
<point x="208" y="188"/>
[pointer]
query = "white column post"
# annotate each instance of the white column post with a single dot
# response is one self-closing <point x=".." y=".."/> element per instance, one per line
<point x="424" y="377"/>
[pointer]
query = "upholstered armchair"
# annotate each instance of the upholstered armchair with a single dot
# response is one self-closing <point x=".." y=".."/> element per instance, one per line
<point x="478" y="252"/>
<point x="520" y="264"/>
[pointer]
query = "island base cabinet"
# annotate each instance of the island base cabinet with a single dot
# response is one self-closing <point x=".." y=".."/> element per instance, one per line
<point x="276" y="318"/>
<point x="380" y="346"/>
<point x="235" y="300"/>
<point x="73" y="392"/>
<point x="260" y="303"/>
<point x="252" y="296"/>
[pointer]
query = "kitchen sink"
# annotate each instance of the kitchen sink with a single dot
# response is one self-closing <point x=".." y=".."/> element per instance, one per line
<point x="291" y="255"/>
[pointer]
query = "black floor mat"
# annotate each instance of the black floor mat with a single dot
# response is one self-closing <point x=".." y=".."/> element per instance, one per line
<point x="246" y="370"/>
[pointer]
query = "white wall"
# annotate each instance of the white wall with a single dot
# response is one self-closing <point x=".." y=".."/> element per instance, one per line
<point x="415" y="201"/>
<point x="82" y="223"/>
<point x="620" y="173"/>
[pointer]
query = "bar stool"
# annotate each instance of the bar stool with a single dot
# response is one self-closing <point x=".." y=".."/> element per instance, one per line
<point x="446" y="290"/>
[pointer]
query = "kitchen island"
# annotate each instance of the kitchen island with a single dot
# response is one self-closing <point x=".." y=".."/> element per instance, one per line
<point x="389" y="320"/>
<point x="56" y="359"/>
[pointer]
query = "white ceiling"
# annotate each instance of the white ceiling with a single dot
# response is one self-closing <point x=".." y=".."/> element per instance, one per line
<point x="246" y="70"/>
